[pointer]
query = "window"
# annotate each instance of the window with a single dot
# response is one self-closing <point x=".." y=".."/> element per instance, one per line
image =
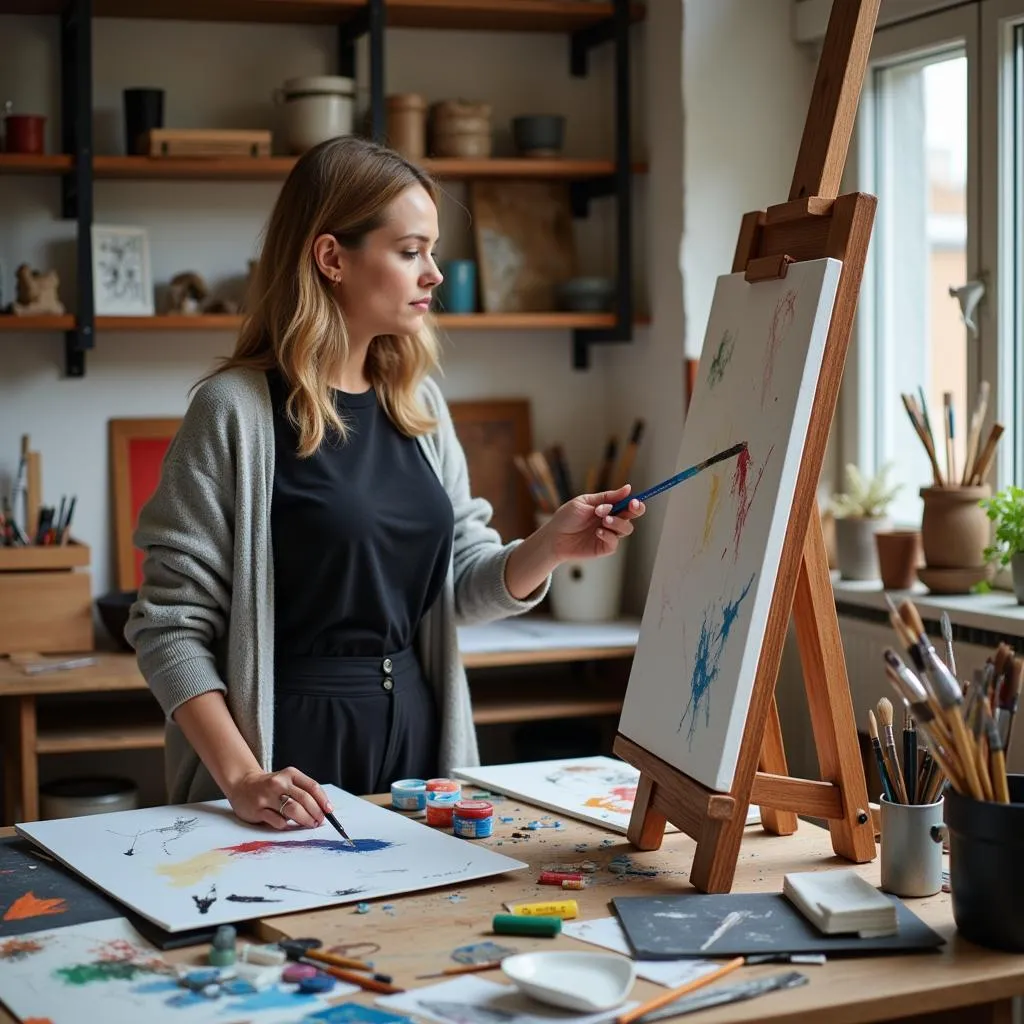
<point x="940" y="141"/>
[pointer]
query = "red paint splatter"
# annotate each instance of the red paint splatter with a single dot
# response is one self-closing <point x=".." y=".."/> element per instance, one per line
<point x="743" y="494"/>
<point x="781" y="320"/>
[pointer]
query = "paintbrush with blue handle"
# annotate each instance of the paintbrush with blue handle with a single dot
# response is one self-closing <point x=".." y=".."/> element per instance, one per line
<point x="685" y="474"/>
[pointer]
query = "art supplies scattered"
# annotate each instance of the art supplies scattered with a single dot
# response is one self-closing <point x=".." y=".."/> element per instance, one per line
<point x="743" y="924"/>
<point x="473" y="819"/>
<point x="658" y="1001"/>
<point x="311" y="949"/>
<point x="565" y="909"/>
<point x="558" y="877"/>
<point x="475" y="1000"/>
<point x="966" y="741"/>
<point x="726" y="995"/>
<point x="587" y="982"/>
<point x="299" y="953"/>
<point x="840" y="902"/>
<point x="979" y="457"/>
<point x="409" y="795"/>
<point x="686" y="474"/>
<point x="522" y="924"/>
<point x="182" y="866"/>
<point x="264" y="956"/>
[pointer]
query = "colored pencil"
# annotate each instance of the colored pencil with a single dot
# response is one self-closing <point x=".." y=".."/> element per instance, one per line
<point x="685" y="474"/>
<point x="657" y="1002"/>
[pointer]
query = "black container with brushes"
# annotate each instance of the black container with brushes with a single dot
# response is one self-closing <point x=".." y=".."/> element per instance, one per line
<point x="986" y="853"/>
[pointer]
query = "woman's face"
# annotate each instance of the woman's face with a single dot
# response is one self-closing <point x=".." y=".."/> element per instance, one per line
<point x="386" y="284"/>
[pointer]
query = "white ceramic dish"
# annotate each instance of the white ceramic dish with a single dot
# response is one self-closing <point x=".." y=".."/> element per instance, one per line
<point x="590" y="982"/>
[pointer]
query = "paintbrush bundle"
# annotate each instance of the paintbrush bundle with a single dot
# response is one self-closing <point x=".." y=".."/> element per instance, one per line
<point x="966" y="730"/>
<point x="978" y="457"/>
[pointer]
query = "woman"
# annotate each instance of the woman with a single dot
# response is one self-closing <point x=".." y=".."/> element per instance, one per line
<point x="313" y="540"/>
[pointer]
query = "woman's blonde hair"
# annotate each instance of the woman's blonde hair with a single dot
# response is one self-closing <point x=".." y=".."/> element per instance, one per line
<point x="341" y="187"/>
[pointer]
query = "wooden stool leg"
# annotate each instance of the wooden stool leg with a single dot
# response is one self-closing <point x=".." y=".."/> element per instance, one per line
<point x="773" y="760"/>
<point x="828" y="697"/>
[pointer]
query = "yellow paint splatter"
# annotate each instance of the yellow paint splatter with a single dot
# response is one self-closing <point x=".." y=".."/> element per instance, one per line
<point x="195" y="869"/>
<point x="712" y="507"/>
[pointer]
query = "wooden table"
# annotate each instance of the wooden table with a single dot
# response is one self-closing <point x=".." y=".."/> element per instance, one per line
<point x="138" y="724"/>
<point x="962" y="982"/>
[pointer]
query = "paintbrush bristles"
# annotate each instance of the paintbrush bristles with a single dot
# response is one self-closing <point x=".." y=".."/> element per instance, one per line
<point x="884" y="709"/>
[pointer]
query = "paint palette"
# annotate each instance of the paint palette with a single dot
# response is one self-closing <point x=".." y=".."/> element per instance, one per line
<point x="590" y="982"/>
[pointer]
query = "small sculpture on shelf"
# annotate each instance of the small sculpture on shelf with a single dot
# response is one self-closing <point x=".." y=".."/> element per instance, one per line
<point x="37" y="293"/>
<point x="189" y="295"/>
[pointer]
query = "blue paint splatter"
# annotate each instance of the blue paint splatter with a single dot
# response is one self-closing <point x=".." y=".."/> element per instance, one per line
<point x="275" y="998"/>
<point x="161" y="985"/>
<point x="706" y="661"/>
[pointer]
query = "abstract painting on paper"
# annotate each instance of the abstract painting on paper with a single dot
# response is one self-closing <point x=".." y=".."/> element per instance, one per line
<point x="188" y="866"/>
<point x="721" y="543"/>
<point x="55" y="976"/>
<point x="598" y="789"/>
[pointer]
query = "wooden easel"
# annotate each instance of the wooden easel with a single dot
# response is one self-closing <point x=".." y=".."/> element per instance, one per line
<point x="815" y="223"/>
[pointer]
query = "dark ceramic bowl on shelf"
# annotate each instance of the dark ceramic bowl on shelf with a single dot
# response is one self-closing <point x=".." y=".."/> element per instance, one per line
<point x="113" y="609"/>
<point x="539" y="135"/>
<point x="586" y="295"/>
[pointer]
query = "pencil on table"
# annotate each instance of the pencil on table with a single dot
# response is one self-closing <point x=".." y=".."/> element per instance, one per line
<point x="657" y="1002"/>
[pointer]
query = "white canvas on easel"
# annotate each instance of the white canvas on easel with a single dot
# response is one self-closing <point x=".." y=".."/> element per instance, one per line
<point x="718" y="557"/>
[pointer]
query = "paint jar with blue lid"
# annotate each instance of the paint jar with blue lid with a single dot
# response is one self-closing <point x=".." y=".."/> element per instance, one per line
<point x="473" y="819"/>
<point x="409" y="795"/>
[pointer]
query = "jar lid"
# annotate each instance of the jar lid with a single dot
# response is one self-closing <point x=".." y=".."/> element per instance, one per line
<point x="474" y="809"/>
<point x="334" y="84"/>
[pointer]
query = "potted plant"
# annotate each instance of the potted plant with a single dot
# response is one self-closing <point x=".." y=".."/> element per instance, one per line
<point x="860" y="512"/>
<point x="1006" y="509"/>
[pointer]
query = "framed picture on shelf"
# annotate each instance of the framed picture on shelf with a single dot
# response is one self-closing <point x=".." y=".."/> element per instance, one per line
<point x="122" y="279"/>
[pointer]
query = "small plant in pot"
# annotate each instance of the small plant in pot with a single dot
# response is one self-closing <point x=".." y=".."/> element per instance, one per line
<point x="1006" y="510"/>
<point x="860" y="511"/>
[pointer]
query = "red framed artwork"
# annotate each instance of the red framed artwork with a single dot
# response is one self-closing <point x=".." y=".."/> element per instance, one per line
<point x="137" y="449"/>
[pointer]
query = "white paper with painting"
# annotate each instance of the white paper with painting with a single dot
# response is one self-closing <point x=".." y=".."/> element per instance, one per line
<point x="718" y="557"/>
<point x="197" y="864"/>
<point x="52" y="977"/>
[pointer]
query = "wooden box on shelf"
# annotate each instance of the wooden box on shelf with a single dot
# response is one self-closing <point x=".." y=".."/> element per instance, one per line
<point x="45" y="599"/>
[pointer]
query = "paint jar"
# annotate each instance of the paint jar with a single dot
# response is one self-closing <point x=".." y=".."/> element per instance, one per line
<point x="443" y="786"/>
<point x="409" y="795"/>
<point x="440" y="807"/>
<point x="473" y="819"/>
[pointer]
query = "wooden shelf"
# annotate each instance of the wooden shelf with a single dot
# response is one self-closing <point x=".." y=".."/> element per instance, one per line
<point x="80" y="739"/>
<point x="108" y="722"/>
<point x="535" y="702"/>
<point x="451" y="322"/>
<point x="36" y="323"/>
<point x="277" y="167"/>
<point x="29" y="163"/>
<point x="492" y="15"/>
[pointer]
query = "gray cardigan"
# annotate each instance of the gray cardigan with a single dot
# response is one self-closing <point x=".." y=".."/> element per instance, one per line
<point x="204" y="618"/>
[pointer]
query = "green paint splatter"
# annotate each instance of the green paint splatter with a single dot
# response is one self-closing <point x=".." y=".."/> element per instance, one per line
<point x="105" y="970"/>
<point x="721" y="358"/>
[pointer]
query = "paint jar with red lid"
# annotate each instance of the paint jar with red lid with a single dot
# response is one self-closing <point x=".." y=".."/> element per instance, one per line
<point x="440" y="807"/>
<point x="473" y="819"/>
<point x="444" y="786"/>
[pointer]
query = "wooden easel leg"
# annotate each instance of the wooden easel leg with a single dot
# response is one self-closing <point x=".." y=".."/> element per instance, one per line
<point x="828" y="697"/>
<point x="646" y="826"/>
<point x="773" y="760"/>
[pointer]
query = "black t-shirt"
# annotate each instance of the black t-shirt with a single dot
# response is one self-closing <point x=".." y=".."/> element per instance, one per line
<point x="361" y="532"/>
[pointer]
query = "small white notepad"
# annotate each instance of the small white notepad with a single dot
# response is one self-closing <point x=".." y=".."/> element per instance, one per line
<point x="840" y="902"/>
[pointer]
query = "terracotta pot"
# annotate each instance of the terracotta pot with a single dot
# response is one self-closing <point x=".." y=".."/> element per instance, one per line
<point x="954" y="527"/>
<point x="899" y="555"/>
<point x="855" y="545"/>
<point x="23" y="133"/>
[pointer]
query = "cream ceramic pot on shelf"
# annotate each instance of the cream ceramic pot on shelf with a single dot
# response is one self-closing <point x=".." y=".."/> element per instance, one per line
<point x="316" y="108"/>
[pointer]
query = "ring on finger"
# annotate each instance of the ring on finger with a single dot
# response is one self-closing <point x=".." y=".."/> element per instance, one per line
<point x="285" y="800"/>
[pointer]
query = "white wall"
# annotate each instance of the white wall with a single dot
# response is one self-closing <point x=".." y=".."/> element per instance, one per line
<point x="224" y="75"/>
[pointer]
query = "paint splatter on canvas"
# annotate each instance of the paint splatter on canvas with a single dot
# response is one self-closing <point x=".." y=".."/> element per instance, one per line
<point x="718" y="556"/>
<point x="218" y="869"/>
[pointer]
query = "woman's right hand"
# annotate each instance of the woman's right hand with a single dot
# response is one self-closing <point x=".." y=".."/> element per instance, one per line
<point x="279" y="798"/>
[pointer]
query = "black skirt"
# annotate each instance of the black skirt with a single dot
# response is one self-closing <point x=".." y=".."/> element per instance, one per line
<point x="359" y="723"/>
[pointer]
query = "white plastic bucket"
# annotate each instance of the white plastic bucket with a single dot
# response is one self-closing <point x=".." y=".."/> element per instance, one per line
<point x="589" y="590"/>
<point x="317" y="108"/>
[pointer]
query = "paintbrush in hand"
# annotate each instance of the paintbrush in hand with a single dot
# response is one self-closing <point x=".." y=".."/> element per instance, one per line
<point x="888" y="741"/>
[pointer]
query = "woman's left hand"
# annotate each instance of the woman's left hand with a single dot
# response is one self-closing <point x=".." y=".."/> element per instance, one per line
<point x="584" y="527"/>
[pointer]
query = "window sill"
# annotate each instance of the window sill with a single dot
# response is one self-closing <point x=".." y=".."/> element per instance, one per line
<point x="996" y="612"/>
